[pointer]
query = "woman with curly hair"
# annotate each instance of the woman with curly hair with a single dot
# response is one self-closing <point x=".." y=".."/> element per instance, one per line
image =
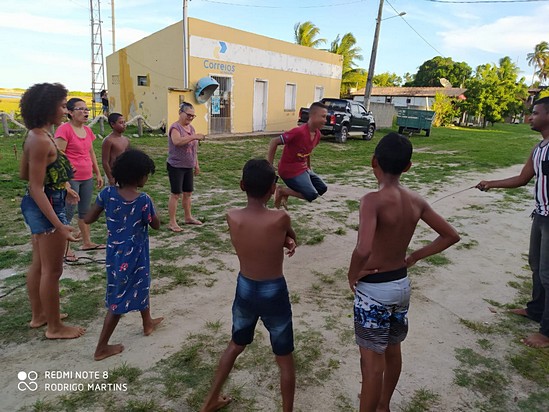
<point x="43" y="206"/>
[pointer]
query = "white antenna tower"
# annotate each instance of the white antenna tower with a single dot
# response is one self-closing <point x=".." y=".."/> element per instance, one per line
<point x="97" y="63"/>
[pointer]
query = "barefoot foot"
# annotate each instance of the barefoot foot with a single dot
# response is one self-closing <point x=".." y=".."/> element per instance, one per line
<point x="520" y="312"/>
<point x="150" y="326"/>
<point x="536" y="340"/>
<point x="64" y="332"/>
<point x="109" y="350"/>
<point x="175" y="228"/>
<point x="217" y="404"/>
<point x="41" y="321"/>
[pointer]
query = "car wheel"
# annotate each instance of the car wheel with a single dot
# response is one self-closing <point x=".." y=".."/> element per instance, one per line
<point x="369" y="133"/>
<point x="428" y="132"/>
<point x="341" y="137"/>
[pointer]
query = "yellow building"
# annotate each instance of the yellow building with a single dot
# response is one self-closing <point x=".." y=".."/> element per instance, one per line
<point x="262" y="81"/>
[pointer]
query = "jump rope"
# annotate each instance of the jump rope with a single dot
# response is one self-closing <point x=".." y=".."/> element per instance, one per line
<point x="85" y="260"/>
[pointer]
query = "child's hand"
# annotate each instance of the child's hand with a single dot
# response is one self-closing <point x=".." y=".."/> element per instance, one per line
<point x="354" y="281"/>
<point x="483" y="186"/>
<point x="72" y="197"/>
<point x="410" y="260"/>
<point x="67" y="233"/>
<point x="290" y="245"/>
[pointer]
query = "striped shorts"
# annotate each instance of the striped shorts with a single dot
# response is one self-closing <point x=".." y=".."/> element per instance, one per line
<point x="381" y="313"/>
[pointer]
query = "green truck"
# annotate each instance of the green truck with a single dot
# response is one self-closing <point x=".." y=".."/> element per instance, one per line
<point x="415" y="120"/>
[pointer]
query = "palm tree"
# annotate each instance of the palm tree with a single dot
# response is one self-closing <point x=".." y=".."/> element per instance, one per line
<point x="347" y="48"/>
<point x="543" y="72"/>
<point x="538" y="59"/>
<point x="306" y="34"/>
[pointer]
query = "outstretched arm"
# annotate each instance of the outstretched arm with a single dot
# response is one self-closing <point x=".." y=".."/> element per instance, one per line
<point x="93" y="214"/>
<point x="447" y="236"/>
<point x="179" y="140"/>
<point x="526" y="174"/>
<point x="272" y="148"/>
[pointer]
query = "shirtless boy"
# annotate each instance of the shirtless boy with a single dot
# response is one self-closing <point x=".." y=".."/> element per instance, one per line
<point x="114" y="144"/>
<point x="294" y="166"/>
<point x="537" y="165"/>
<point x="378" y="270"/>
<point x="259" y="236"/>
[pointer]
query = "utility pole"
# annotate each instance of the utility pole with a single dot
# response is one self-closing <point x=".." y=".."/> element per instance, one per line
<point x="113" y="26"/>
<point x="97" y="62"/>
<point x="185" y="46"/>
<point x="369" y="81"/>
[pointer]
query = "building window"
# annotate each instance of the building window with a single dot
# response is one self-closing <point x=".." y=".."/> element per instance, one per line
<point x="142" y="80"/>
<point x="319" y="93"/>
<point x="388" y="99"/>
<point x="115" y="79"/>
<point x="408" y="101"/>
<point x="290" y="97"/>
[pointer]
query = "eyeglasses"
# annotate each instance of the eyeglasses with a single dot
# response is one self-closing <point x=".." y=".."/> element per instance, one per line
<point x="190" y="116"/>
<point x="81" y="109"/>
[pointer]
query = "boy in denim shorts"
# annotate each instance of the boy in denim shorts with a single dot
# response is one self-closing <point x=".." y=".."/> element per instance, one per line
<point x="378" y="269"/>
<point x="259" y="236"/>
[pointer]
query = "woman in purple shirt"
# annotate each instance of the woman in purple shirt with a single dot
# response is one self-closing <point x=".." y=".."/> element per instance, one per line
<point x="182" y="165"/>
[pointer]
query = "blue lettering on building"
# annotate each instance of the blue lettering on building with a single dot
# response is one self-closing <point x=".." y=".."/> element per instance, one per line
<point x="223" y="67"/>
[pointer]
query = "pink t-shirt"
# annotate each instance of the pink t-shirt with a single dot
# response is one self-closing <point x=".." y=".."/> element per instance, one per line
<point x="182" y="156"/>
<point x="78" y="150"/>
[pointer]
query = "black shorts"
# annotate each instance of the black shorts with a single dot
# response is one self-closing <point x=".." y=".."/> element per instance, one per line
<point x="181" y="179"/>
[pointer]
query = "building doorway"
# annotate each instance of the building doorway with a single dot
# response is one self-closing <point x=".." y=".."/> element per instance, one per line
<point x="260" y="106"/>
<point x="220" y="106"/>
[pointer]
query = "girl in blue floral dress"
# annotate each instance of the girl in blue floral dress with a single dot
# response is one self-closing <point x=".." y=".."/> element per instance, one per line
<point x="129" y="213"/>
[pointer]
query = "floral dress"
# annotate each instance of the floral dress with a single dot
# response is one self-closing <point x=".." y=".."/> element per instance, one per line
<point x="127" y="262"/>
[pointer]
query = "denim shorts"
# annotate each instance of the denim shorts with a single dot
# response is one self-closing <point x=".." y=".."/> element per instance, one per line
<point x="308" y="183"/>
<point x="381" y="313"/>
<point x="270" y="301"/>
<point x="35" y="219"/>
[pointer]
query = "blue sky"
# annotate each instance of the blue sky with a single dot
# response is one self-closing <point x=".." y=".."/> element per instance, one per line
<point x="49" y="40"/>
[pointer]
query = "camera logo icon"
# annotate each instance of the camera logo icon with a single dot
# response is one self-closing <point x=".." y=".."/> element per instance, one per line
<point x="31" y="377"/>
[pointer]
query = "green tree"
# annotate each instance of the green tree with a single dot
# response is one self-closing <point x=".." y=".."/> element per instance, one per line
<point x="387" y="79"/>
<point x="431" y="71"/>
<point x="346" y="47"/>
<point x="306" y="34"/>
<point x="539" y="58"/>
<point x="495" y="92"/>
<point x="445" y="110"/>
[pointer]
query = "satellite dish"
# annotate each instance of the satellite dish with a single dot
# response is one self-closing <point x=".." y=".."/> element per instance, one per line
<point x="205" y="87"/>
<point x="445" y="83"/>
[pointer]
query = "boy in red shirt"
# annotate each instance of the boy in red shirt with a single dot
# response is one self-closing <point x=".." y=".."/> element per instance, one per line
<point x="294" y="166"/>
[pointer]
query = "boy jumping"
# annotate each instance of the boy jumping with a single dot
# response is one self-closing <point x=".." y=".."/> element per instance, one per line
<point x="259" y="236"/>
<point x="295" y="163"/>
<point x="378" y="269"/>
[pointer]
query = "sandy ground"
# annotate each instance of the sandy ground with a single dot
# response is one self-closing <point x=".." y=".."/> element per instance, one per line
<point x="440" y="298"/>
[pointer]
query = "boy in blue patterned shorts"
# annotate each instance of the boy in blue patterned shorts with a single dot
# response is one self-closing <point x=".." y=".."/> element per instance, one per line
<point x="259" y="236"/>
<point x="378" y="270"/>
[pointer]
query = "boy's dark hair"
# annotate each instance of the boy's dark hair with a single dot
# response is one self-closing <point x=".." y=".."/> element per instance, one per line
<point x="258" y="176"/>
<point x="393" y="153"/>
<point x="131" y="166"/>
<point x="543" y="101"/>
<point x="71" y="104"/>
<point x="316" y="106"/>
<point x="39" y="104"/>
<point x="113" y="118"/>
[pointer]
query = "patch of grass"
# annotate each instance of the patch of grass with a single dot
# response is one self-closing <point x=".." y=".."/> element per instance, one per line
<point x="467" y="245"/>
<point x="423" y="400"/>
<point x="438" y="260"/>
<point x="14" y="259"/>
<point x="478" y="327"/>
<point x="485" y="344"/>
<point x="536" y="402"/>
<point x="533" y="364"/>
<point x="124" y="373"/>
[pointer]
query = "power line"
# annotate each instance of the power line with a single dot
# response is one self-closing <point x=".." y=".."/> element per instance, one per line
<point x="284" y="7"/>
<point x="483" y="1"/>
<point x="415" y="31"/>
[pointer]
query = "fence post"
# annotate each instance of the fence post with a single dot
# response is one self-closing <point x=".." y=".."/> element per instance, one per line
<point x="101" y="126"/>
<point x="5" y="124"/>
<point x="140" y="127"/>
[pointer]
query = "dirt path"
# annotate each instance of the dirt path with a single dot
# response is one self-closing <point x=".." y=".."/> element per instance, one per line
<point x="442" y="295"/>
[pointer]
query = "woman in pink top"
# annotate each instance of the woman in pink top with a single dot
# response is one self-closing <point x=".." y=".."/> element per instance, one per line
<point x="75" y="139"/>
<point x="182" y="164"/>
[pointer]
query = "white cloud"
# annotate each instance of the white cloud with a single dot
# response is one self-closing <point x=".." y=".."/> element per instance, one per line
<point x="40" y="24"/>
